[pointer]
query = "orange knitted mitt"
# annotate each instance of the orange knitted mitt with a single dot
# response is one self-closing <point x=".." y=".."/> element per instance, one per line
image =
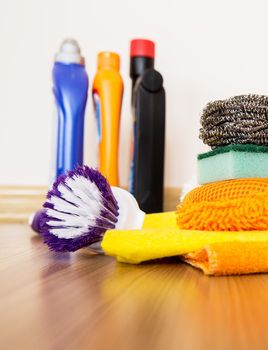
<point x="232" y="205"/>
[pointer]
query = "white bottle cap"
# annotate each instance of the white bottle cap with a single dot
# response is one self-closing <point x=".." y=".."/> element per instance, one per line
<point x="69" y="52"/>
<point x="130" y="216"/>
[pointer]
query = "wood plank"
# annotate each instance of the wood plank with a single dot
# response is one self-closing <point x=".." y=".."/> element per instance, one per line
<point x="83" y="301"/>
<point x="17" y="203"/>
<point x="88" y="301"/>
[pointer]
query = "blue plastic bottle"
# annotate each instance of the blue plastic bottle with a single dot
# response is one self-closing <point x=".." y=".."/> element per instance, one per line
<point x="70" y="87"/>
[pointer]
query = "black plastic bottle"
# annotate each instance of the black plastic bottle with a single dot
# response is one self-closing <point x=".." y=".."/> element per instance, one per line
<point x="142" y="54"/>
<point x="148" y="108"/>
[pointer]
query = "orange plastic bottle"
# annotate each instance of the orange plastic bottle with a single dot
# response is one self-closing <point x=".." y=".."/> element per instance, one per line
<point x="107" y="97"/>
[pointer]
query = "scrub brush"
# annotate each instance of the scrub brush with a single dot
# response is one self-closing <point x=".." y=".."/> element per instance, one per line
<point x="79" y="209"/>
<point x="81" y="206"/>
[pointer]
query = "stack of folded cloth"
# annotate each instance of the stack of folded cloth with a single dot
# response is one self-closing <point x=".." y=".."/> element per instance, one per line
<point x="233" y="195"/>
<point x="234" y="174"/>
<point x="222" y="225"/>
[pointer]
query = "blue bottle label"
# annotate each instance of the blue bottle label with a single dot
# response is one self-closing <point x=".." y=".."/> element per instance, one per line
<point x="70" y="88"/>
<point x="97" y="107"/>
<point x="132" y="165"/>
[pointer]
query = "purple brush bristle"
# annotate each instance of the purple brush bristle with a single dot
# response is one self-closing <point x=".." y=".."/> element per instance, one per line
<point x="79" y="209"/>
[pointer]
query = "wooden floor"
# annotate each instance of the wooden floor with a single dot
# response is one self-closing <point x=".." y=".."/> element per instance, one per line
<point x="84" y="301"/>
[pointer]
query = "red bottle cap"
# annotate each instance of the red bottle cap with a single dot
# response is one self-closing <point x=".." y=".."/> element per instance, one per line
<point x="142" y="47"/>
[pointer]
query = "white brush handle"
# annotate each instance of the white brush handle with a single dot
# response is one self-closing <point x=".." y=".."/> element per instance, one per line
<point x="130" y="216"/>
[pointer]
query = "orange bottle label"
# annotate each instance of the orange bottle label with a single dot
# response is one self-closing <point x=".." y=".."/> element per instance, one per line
<point x="107" y="96"/>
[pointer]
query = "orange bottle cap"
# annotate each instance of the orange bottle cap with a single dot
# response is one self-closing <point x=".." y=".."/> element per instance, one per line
<point x="109" y="59"/>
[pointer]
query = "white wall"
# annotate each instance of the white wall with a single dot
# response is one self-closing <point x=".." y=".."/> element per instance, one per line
<point x="206" y="49"/>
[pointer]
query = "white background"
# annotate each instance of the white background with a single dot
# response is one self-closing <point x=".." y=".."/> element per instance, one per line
<point x="205" y="49"/>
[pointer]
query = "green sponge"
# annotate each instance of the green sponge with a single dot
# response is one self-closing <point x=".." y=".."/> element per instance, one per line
<point x="232" y="162"/>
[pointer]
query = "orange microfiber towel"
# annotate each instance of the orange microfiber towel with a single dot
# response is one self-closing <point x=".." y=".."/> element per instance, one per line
<point x="231" y="205"/>
<point x="231" y="258"/>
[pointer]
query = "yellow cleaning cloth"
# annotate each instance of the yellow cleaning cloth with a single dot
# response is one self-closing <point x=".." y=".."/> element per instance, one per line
<point x="161" y="220"/>
<point x="231" y="258"/>
<point x="135" y="246"/>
